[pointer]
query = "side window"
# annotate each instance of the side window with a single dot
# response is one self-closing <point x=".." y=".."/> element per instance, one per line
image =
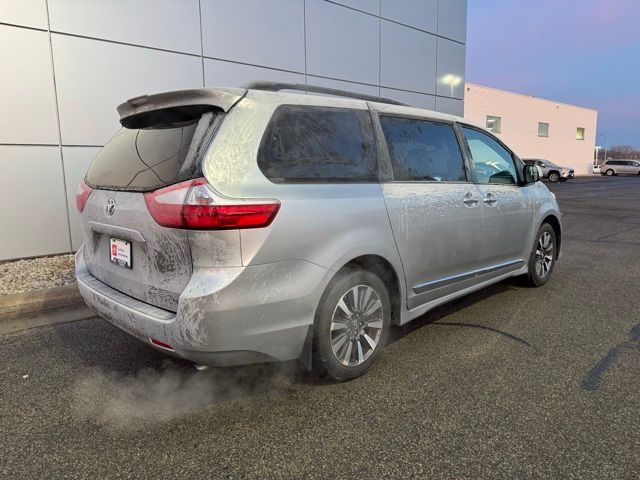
<point x="318" y="144"/>
<point x="492" y="162"/>
<point x="421" y="150"/>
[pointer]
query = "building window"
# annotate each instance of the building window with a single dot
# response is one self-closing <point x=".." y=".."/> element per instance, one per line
<point x="543" y="129"/>
<point x="493" y="123"/>
<point x="580" y="133"/>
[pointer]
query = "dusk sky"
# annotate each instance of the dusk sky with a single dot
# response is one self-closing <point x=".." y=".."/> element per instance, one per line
<point x="584" y="52"/>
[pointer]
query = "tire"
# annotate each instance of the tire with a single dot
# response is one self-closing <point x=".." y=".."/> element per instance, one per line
<point x="554" y="176"/>
<point x="610" y="173"/>
<point x="539" y="273"/>
<point x="335" y="351"/>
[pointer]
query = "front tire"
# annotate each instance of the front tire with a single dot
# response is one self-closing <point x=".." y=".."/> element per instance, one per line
<point x="351" y="326"/>
<point x="554" y="177"/>
<point x="610" y="173"/>
<point x="543" y="256"/>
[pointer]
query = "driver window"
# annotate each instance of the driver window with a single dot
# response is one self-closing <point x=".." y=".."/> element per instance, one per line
<point x="492" y="162"/>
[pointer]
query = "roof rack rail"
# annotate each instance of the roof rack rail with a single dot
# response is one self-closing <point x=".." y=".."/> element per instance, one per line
<point x="277" y="86"/>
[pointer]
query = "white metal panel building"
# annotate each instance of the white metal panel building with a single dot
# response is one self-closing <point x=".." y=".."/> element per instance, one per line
<point x="66" y="65"/>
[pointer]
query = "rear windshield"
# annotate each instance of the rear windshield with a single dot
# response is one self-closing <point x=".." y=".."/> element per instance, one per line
<point x="149" y="158"/>
<point x="318" y="144"/>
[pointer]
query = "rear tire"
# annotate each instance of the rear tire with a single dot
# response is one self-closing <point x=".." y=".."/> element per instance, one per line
<point x="351" y="326"/>
<point x="554" y="176"/>
<point x="610" y="173"/>
<point x="543" y="256"/>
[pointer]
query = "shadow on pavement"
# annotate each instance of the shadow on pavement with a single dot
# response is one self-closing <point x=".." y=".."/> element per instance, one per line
<point x="434" y="316"/>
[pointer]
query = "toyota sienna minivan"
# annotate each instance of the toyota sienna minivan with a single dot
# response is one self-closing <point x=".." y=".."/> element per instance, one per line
<point x="233" y="226"/>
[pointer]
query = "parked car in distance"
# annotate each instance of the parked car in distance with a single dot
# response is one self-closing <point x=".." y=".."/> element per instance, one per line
<point x="595" y="169"/>
<point x="551" y="171"/>
<point x="232" y="226"/>
<point x="617" y="167"/>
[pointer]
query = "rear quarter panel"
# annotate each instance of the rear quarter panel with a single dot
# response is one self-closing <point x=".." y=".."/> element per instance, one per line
<point x="326" y="224"/>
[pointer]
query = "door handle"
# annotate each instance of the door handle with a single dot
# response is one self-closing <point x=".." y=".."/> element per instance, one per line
<point x="490" y="199"/>
<point x="470" y="200"/>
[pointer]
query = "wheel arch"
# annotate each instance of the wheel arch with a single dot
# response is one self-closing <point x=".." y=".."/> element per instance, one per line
<point x="376" y="264"/>
<point x="557" y="228"/>
<point x="387" y="273"/>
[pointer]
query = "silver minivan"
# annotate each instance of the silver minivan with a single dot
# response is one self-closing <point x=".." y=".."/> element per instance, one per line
<point x="617" y="167"/>
<point x="233" y="226"/>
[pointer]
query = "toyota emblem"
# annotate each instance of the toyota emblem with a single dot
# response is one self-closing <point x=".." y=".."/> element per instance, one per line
<point x="110" y="207"/>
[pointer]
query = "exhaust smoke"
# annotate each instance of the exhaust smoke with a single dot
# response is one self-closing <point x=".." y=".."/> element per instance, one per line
<point x="153" y="396"/>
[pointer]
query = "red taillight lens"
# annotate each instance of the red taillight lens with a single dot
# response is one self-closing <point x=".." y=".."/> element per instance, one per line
<point x="82" y="195"/>
<point x="157" y="342"/>
<point x="192" y="205"/>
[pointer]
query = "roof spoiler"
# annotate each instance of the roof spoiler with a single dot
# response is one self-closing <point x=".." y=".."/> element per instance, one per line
<point x="180" y="105"/>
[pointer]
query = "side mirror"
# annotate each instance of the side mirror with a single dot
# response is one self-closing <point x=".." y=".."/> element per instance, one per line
<point x="531" y="174"/>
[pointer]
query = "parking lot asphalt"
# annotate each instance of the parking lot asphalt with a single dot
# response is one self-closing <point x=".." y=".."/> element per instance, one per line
<point x="509" y="382"/>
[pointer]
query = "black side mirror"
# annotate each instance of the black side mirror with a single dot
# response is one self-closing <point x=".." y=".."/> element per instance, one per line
<point x="531" y="174"/>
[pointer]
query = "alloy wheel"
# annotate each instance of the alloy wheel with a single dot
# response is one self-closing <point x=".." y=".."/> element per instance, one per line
<point x="544" y="255"/>
<point x="356" y="325"/>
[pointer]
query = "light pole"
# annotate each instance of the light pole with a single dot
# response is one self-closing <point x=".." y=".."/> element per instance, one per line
<point x="604" y="159"/>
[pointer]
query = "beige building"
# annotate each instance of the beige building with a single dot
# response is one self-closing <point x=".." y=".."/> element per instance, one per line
<point x="535" y="127"/>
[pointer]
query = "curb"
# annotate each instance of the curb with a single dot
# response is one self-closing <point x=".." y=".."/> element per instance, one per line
<point x="37" y="302"/>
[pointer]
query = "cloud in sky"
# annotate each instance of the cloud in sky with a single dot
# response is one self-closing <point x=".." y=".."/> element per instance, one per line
<point x="585" y="52"/>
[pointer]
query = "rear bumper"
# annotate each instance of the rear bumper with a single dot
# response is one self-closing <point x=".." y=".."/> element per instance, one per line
<point x="225" y="316"/>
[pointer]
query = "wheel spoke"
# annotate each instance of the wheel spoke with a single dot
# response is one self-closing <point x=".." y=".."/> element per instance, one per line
<point x="339" y="341"/>
<point x="365" y="299"/>
<point x="344" y="308"/>
<point x="375" y="324"/>
<point x="375" y="306"/>
<point x="370" y="341"/>
<point x="337" y="325"/>
<point x="354" y="294"/>
<point x="360" y="354"/>
<point x="347" y="354"/>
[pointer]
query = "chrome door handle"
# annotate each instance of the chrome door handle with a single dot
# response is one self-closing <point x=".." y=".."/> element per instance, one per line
<point x="470" y="200"/>
<point x="490" y="199"/>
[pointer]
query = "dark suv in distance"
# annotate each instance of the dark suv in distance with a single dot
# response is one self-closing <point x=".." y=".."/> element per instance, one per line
<point x="617" y="167"/>
<point x="233" y="226"/>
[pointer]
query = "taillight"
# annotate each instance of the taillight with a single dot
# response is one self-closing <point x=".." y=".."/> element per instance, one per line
<point x="82" y="195"/>
<point x="192" y="205"/>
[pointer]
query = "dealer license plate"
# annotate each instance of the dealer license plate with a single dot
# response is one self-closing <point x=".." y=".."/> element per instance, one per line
<point x="120" y="252"/>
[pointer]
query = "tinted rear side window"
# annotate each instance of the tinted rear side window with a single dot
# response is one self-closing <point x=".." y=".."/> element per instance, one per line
<point x="421" y="150"/>
<point x="149" y="158"/>
<point x="318" y="144"/>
